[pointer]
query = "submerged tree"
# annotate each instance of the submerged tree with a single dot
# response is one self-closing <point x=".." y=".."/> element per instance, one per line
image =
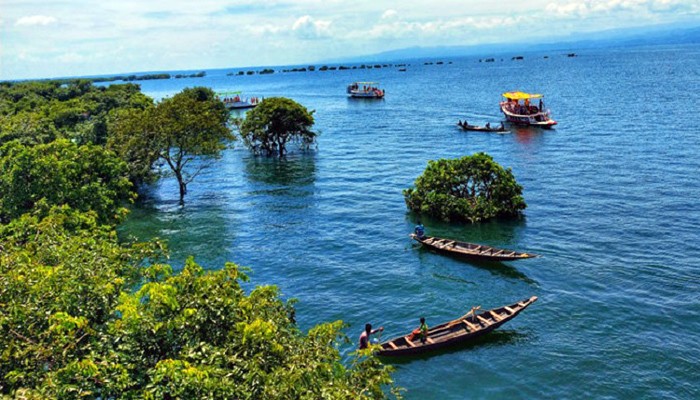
<point x="275" y="122"/>
<point x="190" y="125"/>
<point x="471" y="188"/>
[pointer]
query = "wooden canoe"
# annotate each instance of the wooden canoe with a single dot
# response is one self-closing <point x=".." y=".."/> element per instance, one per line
<point x="463" y="329"/>
<point x="472" y="251"/>
<point x="477" y="128"/>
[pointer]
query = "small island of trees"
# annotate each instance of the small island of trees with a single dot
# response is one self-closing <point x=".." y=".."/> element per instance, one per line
<point x="468" y="189"/>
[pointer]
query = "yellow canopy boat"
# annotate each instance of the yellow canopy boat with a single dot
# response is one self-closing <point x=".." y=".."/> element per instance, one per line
<point x="518" y="110"/>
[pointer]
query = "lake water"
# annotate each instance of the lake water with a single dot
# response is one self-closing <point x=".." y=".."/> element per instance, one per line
<point x="612" y="198"/>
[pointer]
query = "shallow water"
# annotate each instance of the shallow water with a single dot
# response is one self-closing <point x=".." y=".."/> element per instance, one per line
<point x="612" y="198"/>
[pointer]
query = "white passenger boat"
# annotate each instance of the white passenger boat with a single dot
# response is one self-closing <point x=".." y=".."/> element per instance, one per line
<point x="365" y="90"/>
<point x="518" y="110"/>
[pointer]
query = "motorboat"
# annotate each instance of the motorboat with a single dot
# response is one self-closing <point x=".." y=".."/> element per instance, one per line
<point x="519" y="110"/>
<point x="365" y="90"/>
<point x="234" y="100"/>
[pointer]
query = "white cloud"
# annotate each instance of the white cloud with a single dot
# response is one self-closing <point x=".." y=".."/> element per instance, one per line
<point x="307" y="27"/>
<point x="589" y="8"/>
<point x="389" y="14"/>
<point x="177" y="34"/>
<point x="35" y="20"/>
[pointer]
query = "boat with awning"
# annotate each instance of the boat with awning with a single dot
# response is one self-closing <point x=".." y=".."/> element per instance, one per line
<point x="235" y="100"/>
<point x="519" y="109"/>
<point x="365" y="90"/>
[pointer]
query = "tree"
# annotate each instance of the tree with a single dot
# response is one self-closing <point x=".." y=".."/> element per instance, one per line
<point x="77" y="325"/>
<point x="132" y="135"/>
<point x="273" y="123"/>
<point x="85" y="178"/>
<point x="471" y="188"/>
<point x="61" y="279"/>
<point x="191" y="124"/>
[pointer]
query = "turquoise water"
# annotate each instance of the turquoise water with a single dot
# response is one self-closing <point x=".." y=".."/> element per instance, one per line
<point x="612" y="198"/>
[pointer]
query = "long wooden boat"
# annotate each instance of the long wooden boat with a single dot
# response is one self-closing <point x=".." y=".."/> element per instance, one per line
<point x="463" y="329"/>
<point x="478" y="128"/>
<point x="472" y="251"/>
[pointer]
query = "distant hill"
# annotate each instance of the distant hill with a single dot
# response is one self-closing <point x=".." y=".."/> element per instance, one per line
<point x="605" y="39"/>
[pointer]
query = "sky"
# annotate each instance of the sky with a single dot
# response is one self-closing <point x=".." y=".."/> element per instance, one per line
<point x="60" y="38"/>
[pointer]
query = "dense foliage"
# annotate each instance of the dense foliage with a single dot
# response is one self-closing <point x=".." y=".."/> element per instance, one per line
<point x="471" y="188"/>
<point x="189" y="126"/>
<point x="40" y="112"/>
<point x="59" y="173"/>
<point x="75" y="328"/>
<point x="85" y="315"/>
<point x="275" y="122"/>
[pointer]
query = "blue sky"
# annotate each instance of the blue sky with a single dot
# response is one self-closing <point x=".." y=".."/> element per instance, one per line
<point x="56" y="38"/>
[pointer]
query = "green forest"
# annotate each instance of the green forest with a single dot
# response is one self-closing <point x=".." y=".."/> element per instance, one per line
<point x="85" y="314"/>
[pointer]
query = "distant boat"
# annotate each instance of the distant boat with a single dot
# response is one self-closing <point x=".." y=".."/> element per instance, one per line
<point x="458" y="331"/>
<point x="486" y="128"/>
<point x="365" y="90"/>
<point x="234" y="101"/>
<point x="525" y="113"/>
<point x="472" y="251"/>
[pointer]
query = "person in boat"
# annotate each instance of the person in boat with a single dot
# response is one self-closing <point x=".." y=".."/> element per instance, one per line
<point x="364" y="336"/>
<point x="421" y="331"/>
<point x="419" y="230"/>
<point x="503" y="128"/>
<point x="488" y="125"/>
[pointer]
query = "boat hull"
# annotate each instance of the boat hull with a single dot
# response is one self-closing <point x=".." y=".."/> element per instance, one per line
<point x="453" y="333"/>
<point x="541" y="119"/>
<point x="476" y="128"/>
<point x="471" y="251"/>
<point x="239" y="105"/>
<point x="362" y="95"/>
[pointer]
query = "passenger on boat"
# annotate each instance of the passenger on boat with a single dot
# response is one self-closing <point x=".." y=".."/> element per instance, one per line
<point x="488" y="125"/>
<point x="421" y="331"/>
<point x="503" y="128"/>
<point x="364" y="336"/>
<point x="419" y="230"/>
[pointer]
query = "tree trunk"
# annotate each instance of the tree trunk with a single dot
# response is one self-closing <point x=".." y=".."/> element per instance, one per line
<point x="280" y="146"/>
<point x="183" y="186"/>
